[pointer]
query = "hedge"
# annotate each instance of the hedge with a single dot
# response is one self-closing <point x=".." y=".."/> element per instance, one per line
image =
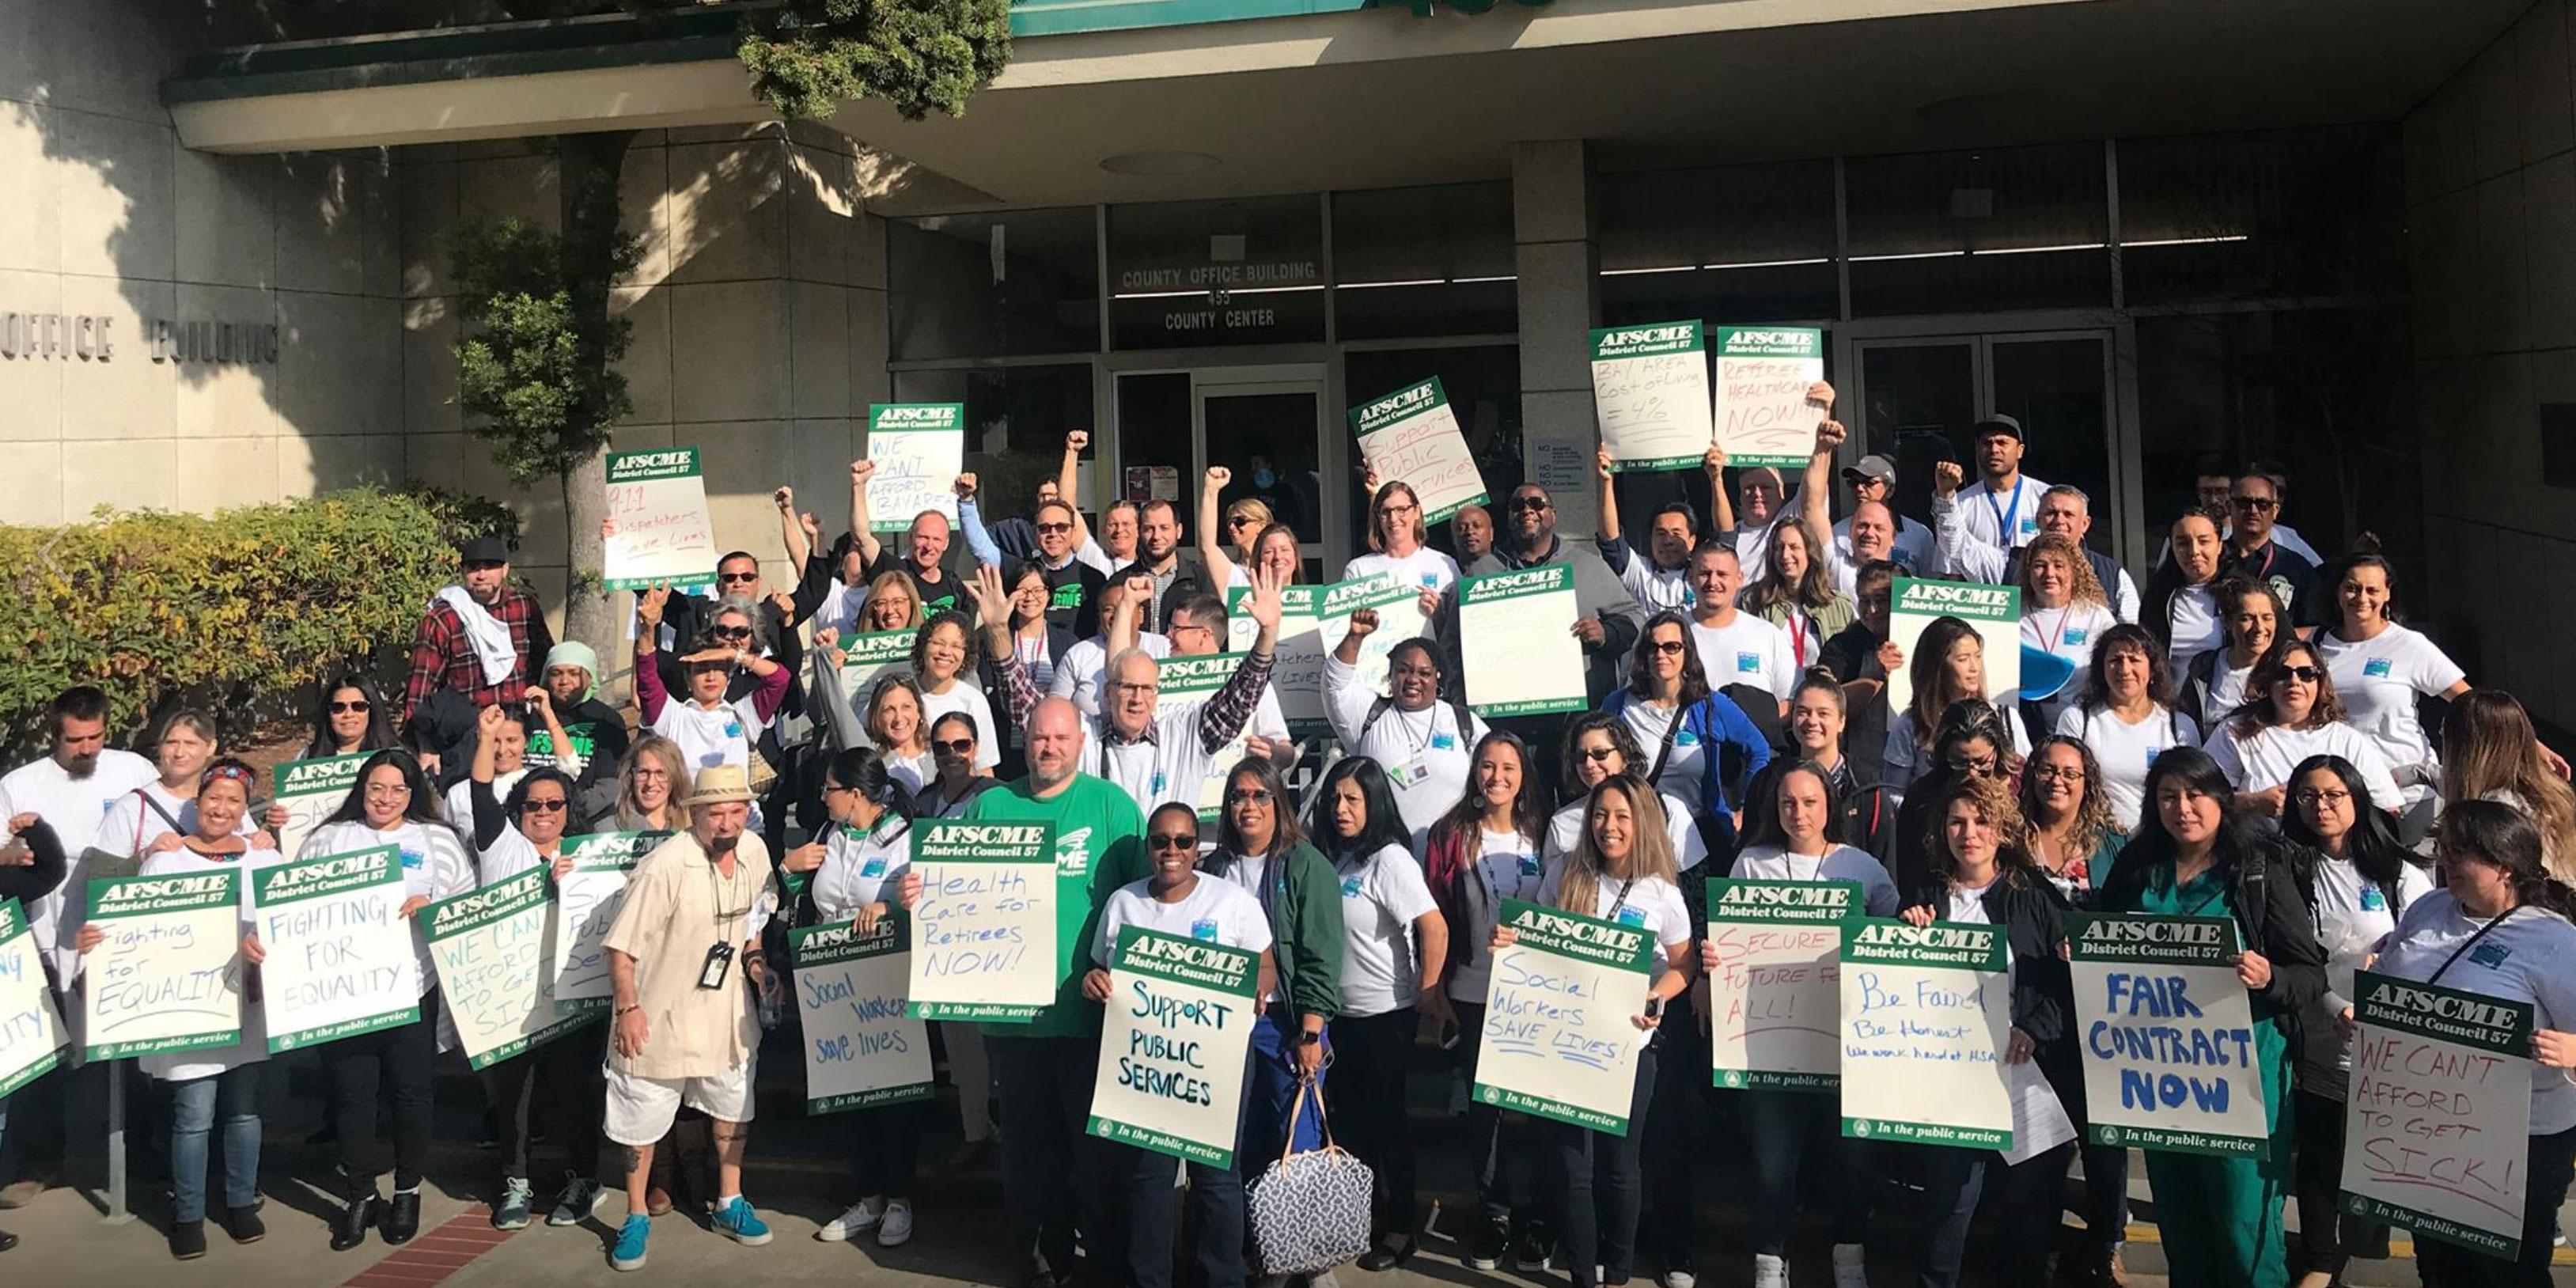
<point x="239" y="609"/>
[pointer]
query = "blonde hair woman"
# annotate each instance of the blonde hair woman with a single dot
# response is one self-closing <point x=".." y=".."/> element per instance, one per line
<point x="651" y="785"/>
<point x="2489" y="753"/>
<point x="2064" y="612"/>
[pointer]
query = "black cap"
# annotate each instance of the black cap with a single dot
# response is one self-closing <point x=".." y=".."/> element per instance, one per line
<point x="484" y="550"/>
<point x="1998" y="423"/>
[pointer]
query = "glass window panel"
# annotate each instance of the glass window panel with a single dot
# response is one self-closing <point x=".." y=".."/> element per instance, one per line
<point x="993" y="285"/>
<point x="1154" y="439"/>
<point x="1424" y="261"/>
<point x="2001" y="228"/>
<point x="1729" y="244"/>
<point x="1915" y="398"/>
<point x="2059" y="390"/>
<point x="2303" y="212"/>
<point x="1188" y="274"/>
<point x="1016" y="418"/>
<point x="1483" y="383"/>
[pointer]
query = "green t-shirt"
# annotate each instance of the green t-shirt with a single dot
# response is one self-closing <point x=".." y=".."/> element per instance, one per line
<point x="1099" y="846"/>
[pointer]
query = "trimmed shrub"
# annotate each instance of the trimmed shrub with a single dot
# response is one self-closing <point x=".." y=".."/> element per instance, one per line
<point x="238" y="610"/>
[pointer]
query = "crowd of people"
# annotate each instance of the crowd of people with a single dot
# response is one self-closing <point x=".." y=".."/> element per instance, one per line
<point x="2250" y="732"/>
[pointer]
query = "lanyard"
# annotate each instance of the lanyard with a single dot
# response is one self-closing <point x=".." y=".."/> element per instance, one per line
<point x="2006" y="518"/>
<point x="1622" y="902"/>
<point x="2057" y="636"/>
<point x="2472" y="942"/>
<point x="1798" y="636"/>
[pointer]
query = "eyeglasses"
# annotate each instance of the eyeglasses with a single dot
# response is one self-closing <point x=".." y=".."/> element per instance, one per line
<point x="645" y="775"/>
<point x="387" y="791"/>
<point x="955" y="746"/>
<point x="1530" y="504"/>
<point x="2302" y="674"/>
<point x="836" y="788"/>
<point x="1173" y="841"/>
<point x="2257" y="504"/>
<point x="2059" y="773"/>
<point x="361" y="706"/>
<point x="2321" y="796"/>
<point x="1400" y="509"/>
<point x="1596" y="755"/>
<point x="1670" y="648"/>
<point x="533" y="806"/>
<point x="1248" y="796"/>
<point x="733" y="578"/>
<point x="1972" y="765"/>
<point x="1051" y="528"/>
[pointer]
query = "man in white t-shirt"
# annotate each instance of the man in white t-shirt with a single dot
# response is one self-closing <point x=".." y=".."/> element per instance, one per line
<point x="1735" y="646"/>
<point x="2001" y="509"/>
<point x="1661" y="579"/>
<point x="1873" y="484"/>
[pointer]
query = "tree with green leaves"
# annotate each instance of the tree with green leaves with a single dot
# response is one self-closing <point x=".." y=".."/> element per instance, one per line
<point x="807" y="57"/>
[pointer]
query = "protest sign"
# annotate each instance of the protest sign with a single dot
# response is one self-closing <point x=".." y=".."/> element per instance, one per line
<point x="2438" y="1114"/>
<point x="1398" y="605"/>
<point x="541" y="753"/>
<point x="309" y="790"/>
<point x="489" y="946"/>
<point x="1650" y="395"/>
<point x="168" y="977"/>
<point x="1516" y="642"/>
<point x="1993" y="611"/>
<point x="2167" y="1034"/>
<point x="1173" y="1046"/>
<point x="1187" y="683"/>
<point x="861" y="1050"/>
<point x="919" y="450"/>
<point x="586" y="904"/>
<point x="1763" y="416"/>
<point x="31" y="1034"/>
<point x="868" y="656"/>
<point x="1411" y="437"/>
<point x="1775" y="999"/>
<point x="1560" y="1040"/>
<point x="339" y="960"/>
<point x="983" y="931"/>
<point x="662" y="537"/>
<point x="1297" y="660"/>
<point x="1925" y="1014"/>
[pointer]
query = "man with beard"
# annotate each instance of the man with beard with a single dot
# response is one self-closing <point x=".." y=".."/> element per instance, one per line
<point x="70" y="790"/>
<point x="481" y="637"/>
<point x="684" y="960"/>
<point x="925" y="546"/>
<point x="1053" y="1175"/>
<point x="2001" y="509"/>
<point x="1176" y="576"/>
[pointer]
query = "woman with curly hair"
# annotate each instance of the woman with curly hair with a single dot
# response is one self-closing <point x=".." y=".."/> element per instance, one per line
<point x="2063" y="612"/>
<point x="943" y="655"/>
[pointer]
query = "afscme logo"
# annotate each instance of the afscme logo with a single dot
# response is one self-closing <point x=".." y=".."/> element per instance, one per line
<point x="1952" y="593"/>
<point x="1645" y="335"/>
<point x="1392" y="402"/>
<point x="2120" y="930"/>
<point x="895" y="415"/>
<point x="656" y="460"/>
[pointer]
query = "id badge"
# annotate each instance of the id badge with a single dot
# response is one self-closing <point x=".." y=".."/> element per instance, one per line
<point x="1408" y="773"/>
<point x="719" y="964"/>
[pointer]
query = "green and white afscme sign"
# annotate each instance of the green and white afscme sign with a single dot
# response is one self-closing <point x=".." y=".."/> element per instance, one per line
<point x="1173" y="1044"/>
<point x="1650" y="395"/>
<point x="1411" y="437"/>
<point x="1560" y="1040"/>
<point x="31" y="1034"/>
<point x="493" y="968"/>
<point x="1926" y="1012"/>
<point x="919" y="450"/>
<point x="861" y="1050"/>
<point x="658" y="502"/>
<point x="1763" y="374"/>
<point x="1993" y="611"/>
<point x="339" y="954"/>
<point x="2438" y="1113"/>
<point x="168" y="977"/>
<point x="1775" y="999"/>
<point x="1516" y="642"/>
<point x="2167" y="1033"/>
<point x="983" y="931"/>
<point x="309" y="790"/>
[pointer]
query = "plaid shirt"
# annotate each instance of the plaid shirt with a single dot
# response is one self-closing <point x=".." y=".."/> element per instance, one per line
<point x="1221" y="717"/>
<point x="442" y="657"/>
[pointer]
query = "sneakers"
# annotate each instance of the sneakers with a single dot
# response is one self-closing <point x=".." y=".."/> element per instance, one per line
<point x="1530" y="1247"/>
<point x="629" y="1252"/>
<point x="511" y="1213"/>
<point x="1485" y="1250"/>
<point x="896" y="1230"/>
<point x="580" y="1199"/>
<point x="1680" y="1275"/>
<point x="860" y="1219"/>
<point x="1851" y="1269"/>
<point x="244" y="1225"/>
<point x="188" y="1240"/>
<point x="1769" y="1271"/>
<point x="736" y="1221"/>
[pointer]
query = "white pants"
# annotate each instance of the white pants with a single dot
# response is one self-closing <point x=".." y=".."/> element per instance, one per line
<point x="640" y="1110"/>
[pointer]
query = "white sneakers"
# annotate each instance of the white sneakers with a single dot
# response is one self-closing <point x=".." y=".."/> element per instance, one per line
<point x="1850" y="1270"/>
<point x="1769" y="1271"/>
<point x="892" y="1222"/>
<point x="1680" y="1279"/>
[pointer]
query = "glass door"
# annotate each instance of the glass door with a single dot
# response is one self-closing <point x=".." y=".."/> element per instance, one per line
<point x="1264" y="424"/>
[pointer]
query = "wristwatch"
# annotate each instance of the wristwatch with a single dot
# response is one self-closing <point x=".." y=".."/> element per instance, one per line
<point x="1654" y="1007"/>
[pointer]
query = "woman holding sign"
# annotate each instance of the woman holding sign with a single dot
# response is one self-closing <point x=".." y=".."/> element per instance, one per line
<point x="207" y="1087"/>
<point x="1794" y="840"/>
<point x="2359" y="882"/>
<point x="511" y="836"/>
<point x="1623" y="872"/>
<point x="852" y="876"/>
<point x="2194" y="857"/>
<point x="1395" y="539"/>
<point x="1981" y="875"/>
<point x="391" y="804"/>
<point x="1178" y="901"/>
<point x="2499" y="927"/>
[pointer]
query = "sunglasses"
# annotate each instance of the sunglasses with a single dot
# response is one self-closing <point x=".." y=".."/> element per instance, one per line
<point x="1596" y="755"/>
<point x="732" y="578"/>
<point x="1173" y="841"/>
<point x="361" y="706"/>
<point x="732" y="632"/>
<point x="1249" y="796"/>
<point x="1241" y="521"/>
<point x="1670" y="648"/>
<point x="2302" y="674"/>
<point x="1530" y="504"/>
<point x="542" y="807"/>
<point x="2258" y="504"/>
<point x="955" y="746"/>
<point x="1054" y="527"/>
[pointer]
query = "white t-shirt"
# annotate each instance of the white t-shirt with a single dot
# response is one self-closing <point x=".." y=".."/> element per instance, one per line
<point x="2379" y="680"/>
<point x="1967" y="904"/>
<point x="2530" y="956"/>
<point x="75" y="808"/>
<point x="1425" y="752"/>
<point x="2196" y="628"/>
<point x="2125" y="751"/>
<point x="1656" y="589"/>
<point x="434" y="867"/>
<point x="1215" y="911"/>
<point x="707" y="736"/>
<point x="859" y="870"/>
<point x="2004" y="520"/>
<point x="1651" y="904"/>
<point x="2070" y="633"/>
<point x="1913" y="548"/>
<point x="2353" y="916"/>
<point x="2266" y="759"/>
<point x="1077" y="673"/>
<point x="1505" y="868"/>
<point x="253" y="1045"/>
<point x="1898" y="763"/>
<point x="1747" y="650"/>
<point x="1685" y="766"/>
<point x="132" y="826"/>
<point x="1381" y="962"/>
<point x="1565" y="830"/>
<point x="509" y="854"/>
<point x="459" y="801"/>
<point x="1425" y="567"/>
<point x="965" y="697"/>
<point x="2226" y="692"/>
<point x="1842" y="863"/>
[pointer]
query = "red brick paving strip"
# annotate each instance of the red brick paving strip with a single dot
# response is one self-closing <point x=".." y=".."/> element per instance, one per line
<point x="438" y="1253"/>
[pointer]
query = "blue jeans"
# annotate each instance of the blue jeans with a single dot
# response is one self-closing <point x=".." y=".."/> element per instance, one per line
<point x="1273" y="1066"/>
<point x="1781" y="1126"/>
<point x="195" y="1106"/>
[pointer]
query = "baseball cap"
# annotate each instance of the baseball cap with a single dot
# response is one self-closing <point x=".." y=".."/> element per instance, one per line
<point x="483" y="550"/>
<point x="1871" y="469"/>
<point x="1998" y="423"/>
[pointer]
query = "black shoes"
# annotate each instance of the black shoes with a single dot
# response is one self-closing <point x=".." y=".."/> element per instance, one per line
<point x="1390" y="1254"/>
<point x="1486" y="1248"/>
<point x="402" y="1217"/>
<point x="188" y="1240"/>
<point x="365" y="1209"/>
<point x="244" y="1225"/>
<point x="1531" y="1246"/>
<point x="7" y="1241"/>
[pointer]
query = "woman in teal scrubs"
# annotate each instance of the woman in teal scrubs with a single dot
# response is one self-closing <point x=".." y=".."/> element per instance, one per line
<point x="2220" y="1217"/>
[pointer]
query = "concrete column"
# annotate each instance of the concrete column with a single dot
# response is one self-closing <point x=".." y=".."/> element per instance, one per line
<point x="1559" y="304"/>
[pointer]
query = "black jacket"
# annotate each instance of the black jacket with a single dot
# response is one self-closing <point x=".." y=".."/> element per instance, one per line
<point x="1189" y="577"/>
<point x="1868" y="822"/>
<point x="2034" y="922"/>
<point x="2272" y="918"/>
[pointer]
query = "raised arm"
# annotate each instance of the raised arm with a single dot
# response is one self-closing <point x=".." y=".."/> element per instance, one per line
<point x="1608" y="530"/>
<point x="1954" y="552"/>
<point x="1721" y="507"/>
<point x="567" y="757"/>
<point x="1220" y="565"/>
<point x="1816" y="490"/>
<point x="791" y="533"/>
<point x="869" y="548"/>
<point x="1222" y="716"/>
<point x="993" y="605"/>
<point x="1067" y="474"/>
<point x="650" y="696"/>
<point x="970" y="522"/>
<point x="1126" y="600"/>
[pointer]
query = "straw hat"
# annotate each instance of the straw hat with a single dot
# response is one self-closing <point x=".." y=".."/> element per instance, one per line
<point x="718" y="784"/>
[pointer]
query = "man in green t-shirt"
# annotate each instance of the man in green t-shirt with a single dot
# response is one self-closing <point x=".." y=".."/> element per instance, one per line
<point x="1045" y="1066"/>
